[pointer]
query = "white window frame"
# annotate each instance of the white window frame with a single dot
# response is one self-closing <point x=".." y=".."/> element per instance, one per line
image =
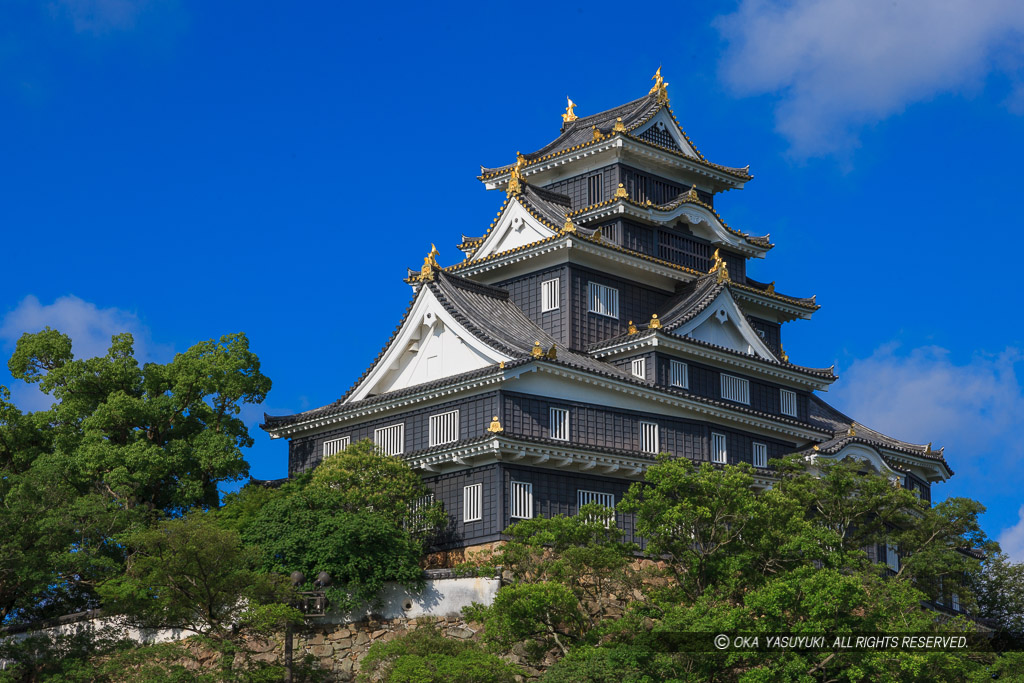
<point x="602" y="300"/>
<point x="678" y="370"/>
<point x="719" y="448"/>
<point x="954" y="602"/>
<point x="550" y="295"/>
<point x="787" y="402"/>
<point x="473" y="503"/>
<point x="444" y="428"/>
<point x="386" y="436"/>
<point x="735" y="389"/>
<point x="649" y="442"/>
<point x="585" y="497"/>
<point x="559" y="424"/>
<point x="759" y="455"/>
<point x="414" y="517"/>
<point x="612" y="233"/>
<point x="639" y="368"/>
<point x="520" y="502"/>
<point x="335" y="446"/>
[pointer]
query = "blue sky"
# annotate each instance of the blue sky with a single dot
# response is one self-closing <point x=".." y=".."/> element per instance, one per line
<point x="183" y="170"/>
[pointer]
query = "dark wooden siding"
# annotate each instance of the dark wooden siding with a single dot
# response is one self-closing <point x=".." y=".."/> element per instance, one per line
<point x="475" y="413"/>
<point x="600" y="426"/>
<point x="706" y="381"/>
<point x="449" y="490"/>
<point x="577" y="187"/>
<point x="525" y="292"/>
<point x="770" y="332"/>
<point x="636" y="303"/>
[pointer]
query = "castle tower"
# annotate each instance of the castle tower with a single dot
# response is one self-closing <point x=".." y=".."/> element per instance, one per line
<point x="605" y="316"/>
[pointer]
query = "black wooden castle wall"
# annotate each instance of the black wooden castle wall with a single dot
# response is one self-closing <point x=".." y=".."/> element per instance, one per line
<point x="598" y="185"/>
<point x="525" y="292"/>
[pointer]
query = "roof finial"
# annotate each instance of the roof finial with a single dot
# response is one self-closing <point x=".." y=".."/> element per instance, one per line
<point x="569" y="115"/>
<point x="619" y="127"/>
<point x="782" y="352"/>
<point x="552" y="353"/>
<point x="621" y="193"/>
<point x="569" y="226"/>
<point x="659" y="87"/>
<point x="495" y="427"/>
<point x="515" y="178"/>
<point x="720" y="267"/>
<point x="429" y="265"/>
<point x="597" y="133"/>
<point x="655" y="324"/>
<point x="537" y="351"/>
<point x="692" y="194"/>
<point x="632" y="328"/>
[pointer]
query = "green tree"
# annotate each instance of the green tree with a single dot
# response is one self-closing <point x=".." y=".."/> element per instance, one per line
<point x="120" y="447"/>
<point x="425" y="656"/>
<point x="357" y="520"/>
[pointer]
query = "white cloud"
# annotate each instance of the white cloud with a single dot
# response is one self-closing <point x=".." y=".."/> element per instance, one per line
<point x="89" y="327"/>
<point x="923" y="395"/>
<point x="838" y="65"/>
<point x="1011" y="540"/>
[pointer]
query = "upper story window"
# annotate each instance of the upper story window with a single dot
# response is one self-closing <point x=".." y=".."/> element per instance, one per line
<point x="954" y="602"/>
<point x="521" y="500"/>
<point x="735" y="389"/>
<point x="602" y="300"/>
<point x="760" y="455"/>
<point x="415" y="519"/>
<point x="719" y="452"/>
<point x="679" y="374"/>
<point x="787" y="402"/>
<point x="649" y="437"/>
<point x="390" y="440"/>
<point x="444" y="428"/>
<point x="549" y="295"/>
<point x="639" y="367"/>
<point x="612" y="233"/>
<point x="596" y="497"/>
<point x="595" y="186"/>
<point x="560" y="424"/>
<point x="892" y="557"/>
<point x="336" y="445"/>
<point x="472" y="503"/>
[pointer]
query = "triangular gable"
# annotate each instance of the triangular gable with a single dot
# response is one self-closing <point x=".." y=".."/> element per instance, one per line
<point x="515" y="228"/>
<point x="722" y="323"/>
<point x="430" y="345"/>
<point x="661" y="127"/>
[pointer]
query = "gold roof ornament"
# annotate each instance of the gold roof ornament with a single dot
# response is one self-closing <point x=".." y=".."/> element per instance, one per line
<point x="429" y="265"/>
<point x="537" y="351"/>
<point x="552" y="353"/>
<point x="816" y="447"/>
<point x="501" y="364"/>
<point x="692" y="194"/>
<point x="619" y="127"/>
<point x="495" y="427"/>
<point x="515" y="178"/>
<point x="771" y="287"/>
<point x="597" y="234"/>
<point x="597" y="133"/>
<point x="621" y="193"/>
<point x="782" y="352"/>
<point x="632" y="328"/>
<point x="569" y="116"/>
<point x="569" y="226"/>
<point x="851" y="432"/>
<point x="659" y="87"/>
<point x="720" y="267"/>
<point x="655" y="324"/>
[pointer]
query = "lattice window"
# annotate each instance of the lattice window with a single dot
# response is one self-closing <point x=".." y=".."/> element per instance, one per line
<point x="390" y="440"/>
<point x="892" y="557"/>
<point x="954" y="602"/>
<point x="595" y="186"/>
<point x="560" y="424"/>
<point x="596" y="497"/>
<point x="603" y="300"/>
<point x="521" y="500"/>
<point x="684" y="251"/>
<point x="639" y="368"/>
<point x="415" y="519"/>
<point x="679" y="374"/>
<point x="444" y="428"/>
<point x="336" y="445"/>
<point x="719" y="452"/>
<point x="549" y="295"/>
<point x="787" y="401"/>
<point x="735" y="389"/>
<point x="612" y="233"/>
<point x="649" y="437"/>
<point x="760" y="455"/>
<point x="472" y="503"/>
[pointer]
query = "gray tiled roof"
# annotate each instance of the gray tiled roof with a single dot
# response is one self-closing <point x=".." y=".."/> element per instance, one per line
<point x="826" y="417"/>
